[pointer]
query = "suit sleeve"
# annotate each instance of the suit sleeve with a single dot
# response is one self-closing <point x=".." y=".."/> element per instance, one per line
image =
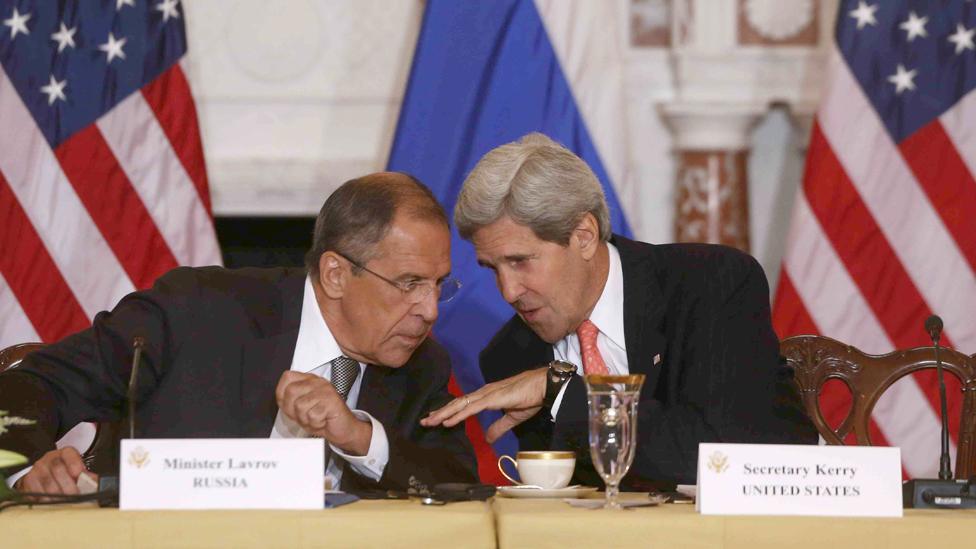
<point x="84" y="377"/>
<point x="427" y="455"/>
<point x="722" y="383"/>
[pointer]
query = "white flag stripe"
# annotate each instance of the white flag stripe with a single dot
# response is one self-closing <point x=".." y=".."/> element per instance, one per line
<point x="838" y="309"/>
<point x="15" y="327"/>
<point x="593" y="66"/>
<point x="897" y="203"/>
<point x="157" y="175"/>
<point x="84" y="259"/>
<point x="908" y="420"/>
<point x="826" y="288"/>
<point x="958" y="125"/>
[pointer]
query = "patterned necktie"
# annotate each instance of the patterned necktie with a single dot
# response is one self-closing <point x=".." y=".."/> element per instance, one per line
<point x="344" y="373"/>
<point x="592" y="360"/>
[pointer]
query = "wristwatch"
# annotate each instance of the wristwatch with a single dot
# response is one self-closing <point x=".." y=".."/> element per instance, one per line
<point x="559" y="373"/>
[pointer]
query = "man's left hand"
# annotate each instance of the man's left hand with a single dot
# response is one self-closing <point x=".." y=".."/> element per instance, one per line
<point x="519" y="396"/>
<point x="315" y="405"/>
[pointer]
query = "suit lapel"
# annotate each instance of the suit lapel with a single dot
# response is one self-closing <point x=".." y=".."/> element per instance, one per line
<point x="380" y="393"/>
<point x="643" y="313"/>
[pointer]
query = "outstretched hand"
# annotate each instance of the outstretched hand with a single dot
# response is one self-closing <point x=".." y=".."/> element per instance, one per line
<point x="520" y="397"/>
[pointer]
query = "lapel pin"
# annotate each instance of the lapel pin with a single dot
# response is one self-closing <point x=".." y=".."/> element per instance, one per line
<point x="657" y="359"/>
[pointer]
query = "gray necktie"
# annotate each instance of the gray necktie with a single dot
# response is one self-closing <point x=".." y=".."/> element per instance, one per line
<point x="344" y="373"/>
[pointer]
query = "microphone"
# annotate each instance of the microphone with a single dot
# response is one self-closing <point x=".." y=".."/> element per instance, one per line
<point x="933" y="325"/>
<point x="138" y="342"/>
<point x="110" y="484"/>
<point x="943" y="493"/>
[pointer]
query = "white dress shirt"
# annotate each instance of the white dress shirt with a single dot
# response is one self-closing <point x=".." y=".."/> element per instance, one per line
<point x="608" y="317"/>
<point x="314" y="351"/>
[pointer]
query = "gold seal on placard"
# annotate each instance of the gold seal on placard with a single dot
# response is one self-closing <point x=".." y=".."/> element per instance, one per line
<point x="138" y="457"/>
<point x="718" y="462"/>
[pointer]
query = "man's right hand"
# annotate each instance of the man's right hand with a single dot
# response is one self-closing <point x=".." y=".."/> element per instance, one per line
<point x="56" y="472"/>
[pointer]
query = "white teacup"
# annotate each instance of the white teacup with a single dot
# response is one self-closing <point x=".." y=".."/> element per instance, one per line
<point x="546" y="469"/>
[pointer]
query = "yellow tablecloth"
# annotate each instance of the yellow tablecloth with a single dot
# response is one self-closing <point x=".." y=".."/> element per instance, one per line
<point x="363" y="524"/>
<point x="515" y="522"/>
<point x="551" y="523"/>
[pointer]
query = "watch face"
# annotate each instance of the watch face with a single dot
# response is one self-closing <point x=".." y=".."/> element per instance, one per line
<point x="562" y="368"/>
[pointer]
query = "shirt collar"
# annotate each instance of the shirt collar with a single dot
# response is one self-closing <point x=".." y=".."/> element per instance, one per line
<point x="315" y="345"/>
<point x="608" y="313"/>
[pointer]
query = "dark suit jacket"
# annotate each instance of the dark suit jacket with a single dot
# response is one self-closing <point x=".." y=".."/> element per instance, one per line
<point x="217" y="340"/>
<point x="705" y="310"/>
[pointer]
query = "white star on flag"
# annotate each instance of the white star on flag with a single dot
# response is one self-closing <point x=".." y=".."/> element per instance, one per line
<point x="963" y="39"/>
<point x="17" y="23"/>
<point x="120" y="3"/>
<point x="64" y="37"/>
<point x="113" y="47"/>
<point x="54" y="90"/>
<point x="903" y="79"/>
<point x="864" y="14"/>
<point x="168" y="8"/>
<point x="914" y="26"/>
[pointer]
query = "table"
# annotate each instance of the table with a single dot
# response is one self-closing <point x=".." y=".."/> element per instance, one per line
<point x="515" y="522"/>
<point x="540" y="524"/>
<point x="363" y="524"/>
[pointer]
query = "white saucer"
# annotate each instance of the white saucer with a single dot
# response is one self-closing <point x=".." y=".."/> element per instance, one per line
<point x="524" y="492"/>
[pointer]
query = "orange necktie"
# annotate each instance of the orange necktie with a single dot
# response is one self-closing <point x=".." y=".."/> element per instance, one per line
<point x="592" y="360"/>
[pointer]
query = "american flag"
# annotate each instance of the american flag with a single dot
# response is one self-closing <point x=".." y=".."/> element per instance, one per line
<point x="102" y="181"/>
<point x="884" y="229"/>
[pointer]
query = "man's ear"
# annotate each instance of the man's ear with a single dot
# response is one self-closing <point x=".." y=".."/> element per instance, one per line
<point x="586" y="235"/>
<point x="332" y="274"/>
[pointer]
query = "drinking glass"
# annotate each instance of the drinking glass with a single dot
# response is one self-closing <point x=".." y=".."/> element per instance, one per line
<point x="613" y="427"/>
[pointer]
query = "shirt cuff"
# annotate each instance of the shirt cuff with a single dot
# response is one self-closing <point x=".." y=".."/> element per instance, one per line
<point x="559" y="400"/>
<point x="374" y="462"/>
<point x="12" y="479"/>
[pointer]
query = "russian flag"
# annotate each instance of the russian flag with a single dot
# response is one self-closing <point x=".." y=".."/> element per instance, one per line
<point x="487" y="73"/>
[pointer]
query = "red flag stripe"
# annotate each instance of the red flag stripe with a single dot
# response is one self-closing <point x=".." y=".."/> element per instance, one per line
<point x="54" y="209"/>
<point x="33" y="276"/>
<point x="873" y="265"/>
<point x="835" y="304"/>
<point x="145" y="154"/>
<point x="876" y="169"/>
<point x="790" y="316"/>
<point x="115" y="207"/>
<point x="946" y="180"/>
<point x="170" y="98"/>
<point x="861" y="246"/>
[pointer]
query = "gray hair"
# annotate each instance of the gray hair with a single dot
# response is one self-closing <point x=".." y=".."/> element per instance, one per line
<point x="537" y="183"/>
<point x="360" y="212"/>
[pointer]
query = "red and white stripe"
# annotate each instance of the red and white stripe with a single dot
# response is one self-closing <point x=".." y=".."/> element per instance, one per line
<point x="883" y="235"/>
<point x="106" y="212"/>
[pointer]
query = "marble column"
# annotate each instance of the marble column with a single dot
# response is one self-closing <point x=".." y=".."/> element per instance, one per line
<point x="712" y="195"/>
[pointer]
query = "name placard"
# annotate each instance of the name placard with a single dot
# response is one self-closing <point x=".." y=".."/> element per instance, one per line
<point x="778" y="479"/>
<point x="227" y="473"/>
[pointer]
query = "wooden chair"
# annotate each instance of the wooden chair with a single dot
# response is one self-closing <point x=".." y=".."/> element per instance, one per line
<point x="817" y="359"/>
<point x="100" y="455"/>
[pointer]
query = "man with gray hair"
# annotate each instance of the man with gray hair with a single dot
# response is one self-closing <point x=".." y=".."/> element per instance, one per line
<point x="693" y="318"/>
